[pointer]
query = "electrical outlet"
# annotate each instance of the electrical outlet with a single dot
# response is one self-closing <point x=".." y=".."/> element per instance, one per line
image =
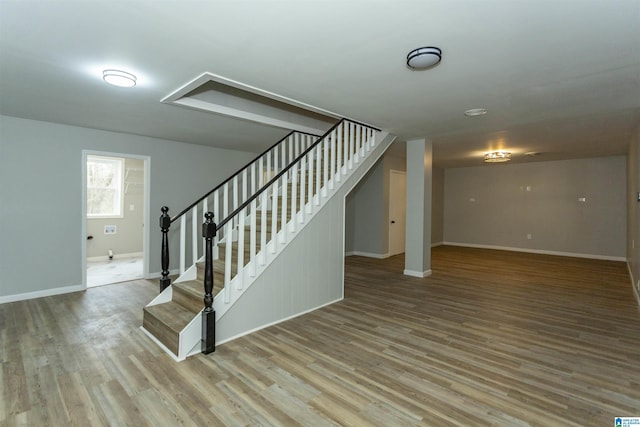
<point x="109" y="229"/>
<point x="529" y="236"/>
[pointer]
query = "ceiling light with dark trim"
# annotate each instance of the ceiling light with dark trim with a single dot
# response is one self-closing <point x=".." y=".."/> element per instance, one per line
<point x="424" y="57"/>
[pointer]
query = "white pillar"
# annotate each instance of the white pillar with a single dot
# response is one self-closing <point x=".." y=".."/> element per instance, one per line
<point x="418" y="235"/>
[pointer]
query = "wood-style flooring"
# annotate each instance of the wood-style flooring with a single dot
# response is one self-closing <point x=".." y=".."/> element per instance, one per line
<point x="491" y="338"/>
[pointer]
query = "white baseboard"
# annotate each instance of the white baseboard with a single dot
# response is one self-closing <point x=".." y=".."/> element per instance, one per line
<point x="276" y="322"/>
<point x="40" y="294"/>
<point x="367" y="254"/>
<point x="419" y="274"/>
<point x="116" y="256"/>
<point x="537" y="251"/>
<point x="433" y="245"/>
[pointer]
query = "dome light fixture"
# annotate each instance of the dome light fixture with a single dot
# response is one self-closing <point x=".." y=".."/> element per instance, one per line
<point x="119" y="78"/>
<point x="497" y="157"/>
<point x="475" y="112"/>
<point x="424" y="57"/>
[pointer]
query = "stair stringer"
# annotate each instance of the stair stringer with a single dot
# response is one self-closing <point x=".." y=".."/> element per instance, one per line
<point x="308" y="271"/>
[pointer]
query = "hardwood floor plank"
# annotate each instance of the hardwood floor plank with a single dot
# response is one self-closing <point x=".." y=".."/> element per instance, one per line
<point x="491" y="338"/>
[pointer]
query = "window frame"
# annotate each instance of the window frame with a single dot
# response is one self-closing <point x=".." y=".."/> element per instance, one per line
<point x="119" y="175"/>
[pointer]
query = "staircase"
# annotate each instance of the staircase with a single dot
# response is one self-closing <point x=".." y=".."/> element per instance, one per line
<point x="261" y="210"/>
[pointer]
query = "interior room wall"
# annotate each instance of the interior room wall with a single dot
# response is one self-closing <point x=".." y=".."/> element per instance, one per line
<point x="41" y="227"/>
<point x="127" y="241"/>
<point x="437" y="206"/>
<point x="371" y="235"/>
<point x="537" y="206"/>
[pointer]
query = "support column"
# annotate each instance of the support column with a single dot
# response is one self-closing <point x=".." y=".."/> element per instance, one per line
<point x="418" y="221"/>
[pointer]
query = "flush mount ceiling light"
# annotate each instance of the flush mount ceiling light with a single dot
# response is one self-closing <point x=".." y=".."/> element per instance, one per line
<point x="424" y="57"/>
<point x="119" y="78"/>
<point x="475" y="112"/>
<point x="497" y="157"/>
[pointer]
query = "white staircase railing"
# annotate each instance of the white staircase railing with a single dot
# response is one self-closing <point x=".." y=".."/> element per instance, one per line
<point x="224" y="199"/>
<point x="261" y="209"/>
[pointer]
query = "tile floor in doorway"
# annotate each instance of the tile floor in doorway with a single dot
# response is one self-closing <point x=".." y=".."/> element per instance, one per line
<point x="118" y="270"/>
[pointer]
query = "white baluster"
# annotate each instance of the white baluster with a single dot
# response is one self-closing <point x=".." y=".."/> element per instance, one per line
<point x="358" y="153"/>
<point x="228" y="241"/>
<point x="263" y="227"/>
<point x="325" y="169"/>
<point x="225" y="201"/>
<point x="216" y="216"/>
<point x="275" y="161"/>
<point x="253" y="177"/>
<point x="194" y="233"/>
<point x="183" y="242"/>
<point x="294" y="195"/>
<point x="264" y="181"/>
<point x="284" y="190"/>
<point x="240" y="275"/>
<point x="318" y="171"/>
<point x="339" y="152"/>
<point x="351" y="145"/>
<point x="332" y="163"/>
<point x="244" y="186"/>
<point x="235" y="193"/>
<point x="303" y="188"/>
<point x="310" y="176"/>
<point x="274" y="216"/>
<point x="252" y="238"/>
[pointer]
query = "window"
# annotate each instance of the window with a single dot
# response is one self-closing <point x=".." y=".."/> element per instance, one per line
<point x="104" y="186"/>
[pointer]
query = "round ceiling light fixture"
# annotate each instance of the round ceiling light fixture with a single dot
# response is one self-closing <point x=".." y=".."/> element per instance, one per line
<point x="475" y="112"/>
<point x="424" y="57"/>
<point x="497" y="157"/>
<point x="119" y="78"/>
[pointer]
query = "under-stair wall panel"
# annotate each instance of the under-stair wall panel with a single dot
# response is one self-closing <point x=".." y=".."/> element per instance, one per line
<point x="308" y="274"/>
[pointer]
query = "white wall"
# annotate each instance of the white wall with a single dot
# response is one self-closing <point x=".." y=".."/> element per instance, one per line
<point x="504" y="212"/>
<point x="40" y="196"/>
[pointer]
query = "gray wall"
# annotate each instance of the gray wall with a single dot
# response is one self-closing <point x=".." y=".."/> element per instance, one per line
<point x="40" y="195"/>
<point x="367" y="209"/>
<point x="128" y="236"/>
<point x="504" y="212"/>
<point x="437" y="206"/>
<point x="633" y="211"/>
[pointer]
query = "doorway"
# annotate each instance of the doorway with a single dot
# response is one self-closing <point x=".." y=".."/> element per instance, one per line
<point x="115" y="205"/>
<point x="397" y="211"/>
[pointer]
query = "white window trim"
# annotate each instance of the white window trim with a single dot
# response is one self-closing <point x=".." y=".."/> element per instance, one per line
<point x="120" y="161"/>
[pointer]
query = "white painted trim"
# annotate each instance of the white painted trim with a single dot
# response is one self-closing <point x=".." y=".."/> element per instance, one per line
<point x="146" y="213"/>
<point x="367" y="254"/>
<point x="207" y="77"/>
<point x="40" y="294"/>
<point x="435" y="245"/>
<point x="418" y="274"/>
<point x="117" y="256"/>
<point x="293" y="316"/>
<point x="537" y="251"/>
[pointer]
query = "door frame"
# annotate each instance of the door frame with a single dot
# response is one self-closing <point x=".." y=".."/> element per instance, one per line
<point x="145" y="213"/>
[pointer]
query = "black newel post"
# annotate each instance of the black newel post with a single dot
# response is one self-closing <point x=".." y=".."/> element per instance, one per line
<point x="209" y="314"/>
<point x="165" y="223"/>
